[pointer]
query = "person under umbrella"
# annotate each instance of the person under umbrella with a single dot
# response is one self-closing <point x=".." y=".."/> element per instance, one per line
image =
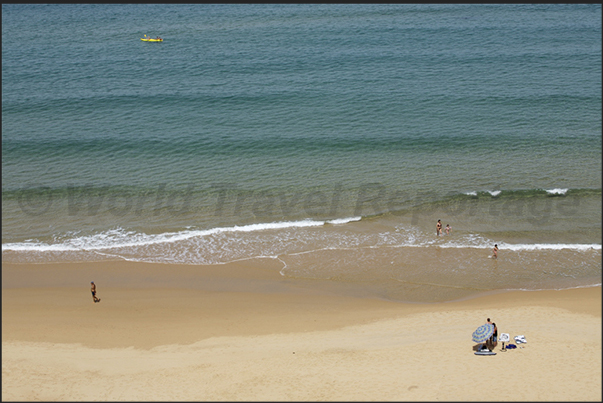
<point x="483" y="333"/>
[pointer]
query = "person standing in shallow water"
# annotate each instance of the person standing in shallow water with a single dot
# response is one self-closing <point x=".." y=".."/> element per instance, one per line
<point x="495" y="251"/>
<point x="439" y="228"/>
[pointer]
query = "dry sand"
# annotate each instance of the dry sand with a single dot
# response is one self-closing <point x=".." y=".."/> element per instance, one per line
<point x="236" y="332"/>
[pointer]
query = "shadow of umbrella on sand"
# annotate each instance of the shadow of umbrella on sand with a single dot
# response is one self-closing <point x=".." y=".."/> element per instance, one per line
<point x="483" y="333"/>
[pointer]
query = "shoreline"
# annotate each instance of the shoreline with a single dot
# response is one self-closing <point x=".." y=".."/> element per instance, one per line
<point x="237" y="334"/>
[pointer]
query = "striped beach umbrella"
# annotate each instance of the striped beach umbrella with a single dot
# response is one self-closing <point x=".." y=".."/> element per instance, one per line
<point x="483" y="333"/>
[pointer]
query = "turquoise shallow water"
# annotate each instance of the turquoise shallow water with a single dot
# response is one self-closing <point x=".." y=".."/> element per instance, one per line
<point x="275" y="130"/>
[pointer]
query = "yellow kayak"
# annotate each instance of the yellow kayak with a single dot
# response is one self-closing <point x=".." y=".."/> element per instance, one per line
<point x="151" y="40"/>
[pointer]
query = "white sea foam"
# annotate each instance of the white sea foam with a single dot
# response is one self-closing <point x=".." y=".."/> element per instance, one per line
<point x="474" y="193"/>
<point x="557" y="191"/>
<point x="268" y="226"/>
<point x="480" y="243"/>
<point x="494" y="193"/>
<point x="344" y="220"/>
<point x="547" y="246"/>
<point x="120" y="238"/>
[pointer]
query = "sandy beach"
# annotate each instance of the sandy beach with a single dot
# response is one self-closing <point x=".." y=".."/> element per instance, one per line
<point x="242" y="332"/>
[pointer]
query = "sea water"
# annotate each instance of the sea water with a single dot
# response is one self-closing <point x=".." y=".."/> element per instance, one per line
<point x="329" y="138"/>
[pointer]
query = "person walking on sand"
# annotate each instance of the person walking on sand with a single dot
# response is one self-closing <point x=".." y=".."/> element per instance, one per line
<point x="439" y="228"/>
<point x="93" y="289"/>
<point x="495" y="251"/>
<point x="448" y="228"/>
